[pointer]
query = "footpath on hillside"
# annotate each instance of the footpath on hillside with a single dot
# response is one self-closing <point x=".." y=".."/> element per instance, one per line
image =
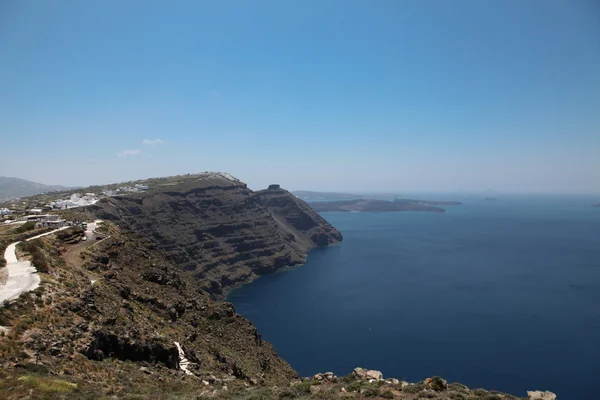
<point x="22" y="276"/>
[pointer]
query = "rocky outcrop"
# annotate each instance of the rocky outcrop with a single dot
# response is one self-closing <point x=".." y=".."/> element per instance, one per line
<point x="220" y="231"/>
<point x="297" y="219"/>
<point x="367" y="374"/>
<point x="365" y="383"/>
<point x="539" y="395"/>
<point x="155" y="350"/>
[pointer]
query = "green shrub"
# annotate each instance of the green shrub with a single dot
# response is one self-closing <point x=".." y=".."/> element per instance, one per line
<point x="415" y="388"/>
<point x="38" y="259"/>
<point x="299" y="390"/>
<point x="490" y="396"/>
<point x="71" y="233"/>
<point x="31" y="367"/>
<point x="371" y="392"/>
<point x="437" y="384"/>
<point x="26" y="227"/>
<point x="458" y="387"/>
<point x="47" y="385"/>
<point x="355" y="386"/>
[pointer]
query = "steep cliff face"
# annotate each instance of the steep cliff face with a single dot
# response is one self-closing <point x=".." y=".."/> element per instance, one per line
<point x="220" y="231"/>
<point x="297" y="218"/>
<point x="121" y="318"/>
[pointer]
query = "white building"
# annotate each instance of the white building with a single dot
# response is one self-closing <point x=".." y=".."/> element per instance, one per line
<point x="5" y="211"/>
<point x="76" y="200"/>
<point x="129" y="189"/>
<point x="108" y="192"/>
<point x="40" y="218"/>
<point x="57" y="223"/>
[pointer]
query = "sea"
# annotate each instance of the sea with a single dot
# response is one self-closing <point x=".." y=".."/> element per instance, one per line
<point x="503" y="295"/>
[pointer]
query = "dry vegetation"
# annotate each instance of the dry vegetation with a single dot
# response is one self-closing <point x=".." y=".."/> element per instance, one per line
<point x="10" y="234"/>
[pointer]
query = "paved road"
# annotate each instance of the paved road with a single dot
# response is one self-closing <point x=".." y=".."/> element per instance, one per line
<point x="22" y="276"/>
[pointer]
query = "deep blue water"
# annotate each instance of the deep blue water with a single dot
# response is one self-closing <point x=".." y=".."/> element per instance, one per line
<point x="502" y="295"/>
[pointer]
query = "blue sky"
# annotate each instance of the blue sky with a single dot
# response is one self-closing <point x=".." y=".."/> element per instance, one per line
<point x="322" y="95"/>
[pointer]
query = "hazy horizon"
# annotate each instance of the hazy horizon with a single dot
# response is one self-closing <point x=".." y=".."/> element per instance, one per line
<point x="358" y="191"/>
<point x="327" y="96"/>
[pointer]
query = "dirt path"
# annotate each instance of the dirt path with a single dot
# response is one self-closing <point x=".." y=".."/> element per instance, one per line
<point x="72" y="256"/>
<point x="22" y="276"/>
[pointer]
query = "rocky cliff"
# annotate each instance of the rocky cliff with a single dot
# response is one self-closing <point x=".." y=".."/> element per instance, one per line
<point x="116" y="317"/>
<point x="127" y="317"/>
<point x="221" y="232"/>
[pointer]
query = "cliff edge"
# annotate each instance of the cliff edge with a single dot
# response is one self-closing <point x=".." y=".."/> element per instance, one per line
<point x="221" y="232"/>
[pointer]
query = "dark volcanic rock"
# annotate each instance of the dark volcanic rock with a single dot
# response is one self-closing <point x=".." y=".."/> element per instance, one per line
<point x="220" y="231"/>
<point x="110" y="345"/>
<point x="298" y="219"/>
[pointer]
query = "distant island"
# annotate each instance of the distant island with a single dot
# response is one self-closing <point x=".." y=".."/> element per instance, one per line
<point x="490" y="199"/>
<point x="596" y="205"/>
<point x="308" y="195"/>
<point x="373" y="205"/>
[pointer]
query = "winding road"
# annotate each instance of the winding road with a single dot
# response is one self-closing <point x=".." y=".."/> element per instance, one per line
<point x="22" y="276"/>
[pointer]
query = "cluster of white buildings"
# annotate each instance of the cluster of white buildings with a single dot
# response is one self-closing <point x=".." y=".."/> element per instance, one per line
<point x="76" y="200"/>
<point x="5" y="211"/>
<point x="125" y="189"/>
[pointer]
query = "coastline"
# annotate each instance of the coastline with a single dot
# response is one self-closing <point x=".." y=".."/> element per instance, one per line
<point x="288" y="268"/>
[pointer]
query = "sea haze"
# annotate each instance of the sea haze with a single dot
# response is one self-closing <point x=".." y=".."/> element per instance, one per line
<point x="503" y="295"/>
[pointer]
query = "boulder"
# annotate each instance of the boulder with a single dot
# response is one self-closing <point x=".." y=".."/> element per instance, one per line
<point x="393" y="381"/>
<point x="373" y="374"/>
<point x="326" y="376"/>
<point x="359" y="373"/>
<point x="367" y="374"/>
<point x="539" y="395"/>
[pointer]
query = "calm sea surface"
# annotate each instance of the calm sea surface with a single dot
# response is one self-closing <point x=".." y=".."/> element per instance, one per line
<point x="502" y="295"/>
